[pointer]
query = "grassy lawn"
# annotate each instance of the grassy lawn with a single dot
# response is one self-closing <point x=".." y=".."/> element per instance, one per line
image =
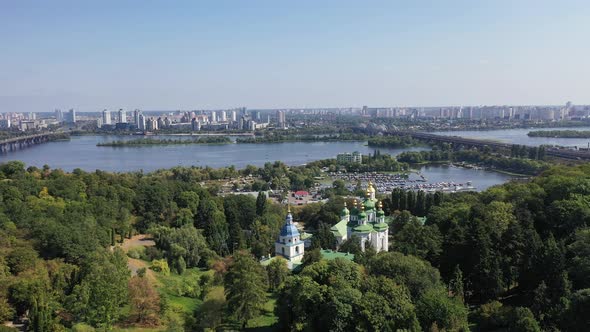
<point x="183" y="295"/>
<point x="267" y="320"/>
<point x="177" y="288"/>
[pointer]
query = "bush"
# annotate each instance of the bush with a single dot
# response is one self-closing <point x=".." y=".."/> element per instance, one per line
<point x="151" y="253"/>
<point x="160" y="265"/>
<point x="188" y="287"/>
<point x="141" y="272"/>
<point x="492" y="316"/>
<point x="136" y="252"/>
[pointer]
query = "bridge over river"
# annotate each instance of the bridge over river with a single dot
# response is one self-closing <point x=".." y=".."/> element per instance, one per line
<point x="21" y="142"/>
<point x="563" y="153"/>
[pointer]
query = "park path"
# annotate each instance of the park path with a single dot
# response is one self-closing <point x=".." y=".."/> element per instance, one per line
<point x="135" y="264"/>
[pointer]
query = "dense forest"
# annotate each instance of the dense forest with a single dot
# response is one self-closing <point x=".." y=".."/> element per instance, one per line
<point x="515" y="257"/>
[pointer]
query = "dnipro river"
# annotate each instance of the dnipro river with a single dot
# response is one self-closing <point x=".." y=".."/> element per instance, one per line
<point x="82" y="152"/>
<point x="519" y="136"/>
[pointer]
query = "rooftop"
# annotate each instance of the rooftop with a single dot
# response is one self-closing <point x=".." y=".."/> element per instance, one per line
<point x="329" y="255"/>
<point x="340" y="228"/>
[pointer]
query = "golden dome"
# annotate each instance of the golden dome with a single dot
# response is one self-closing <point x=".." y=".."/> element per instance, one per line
<point x="370" y="188"/>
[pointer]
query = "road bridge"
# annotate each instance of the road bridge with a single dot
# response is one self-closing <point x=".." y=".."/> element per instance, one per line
<point x="22" y="142"/>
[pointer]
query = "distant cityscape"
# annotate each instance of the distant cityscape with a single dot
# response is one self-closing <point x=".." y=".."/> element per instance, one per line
<point x="243" y="119"/>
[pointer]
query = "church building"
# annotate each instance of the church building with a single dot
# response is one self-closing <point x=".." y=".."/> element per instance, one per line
<point x="289" y="244"/>
<point x="366" y="221"/>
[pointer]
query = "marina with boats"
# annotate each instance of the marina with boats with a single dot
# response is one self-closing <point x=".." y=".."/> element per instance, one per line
<point x="386" y="182"/>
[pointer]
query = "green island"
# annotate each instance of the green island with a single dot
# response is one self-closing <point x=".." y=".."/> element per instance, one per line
<point x="167" y="141"/>
<point x="560" y="133"/>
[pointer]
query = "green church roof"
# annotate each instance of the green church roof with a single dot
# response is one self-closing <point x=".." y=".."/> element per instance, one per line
<point x="363" y="228"/>
<point x="380" y="227"/>
<point x="329" y="255"/>
<point x="339" y="229"/>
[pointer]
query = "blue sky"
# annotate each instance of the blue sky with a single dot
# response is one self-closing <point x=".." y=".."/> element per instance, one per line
<point x="267" y="54"/>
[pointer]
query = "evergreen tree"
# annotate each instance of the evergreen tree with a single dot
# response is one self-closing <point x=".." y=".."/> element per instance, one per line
<point x="429" y="202"/>
<point x="420" y="208"/>
<point x="260" y="203"/>
<point x="411" y="201"/>
<point x="245" y="287"/>
<point x="217" y="233"/>
<point x="512" y="253"/>
<point x="403" y="201"/>
<point x="486" y="275"/>
<point x="438" y="198"/>
<point x="396" y="194"/>
<point x="277" y="272"/>
<point x="237" y="238"/>
<point x="207" y="208"/>
<point x="41" y="319"/>
<point x="324" y="238"/>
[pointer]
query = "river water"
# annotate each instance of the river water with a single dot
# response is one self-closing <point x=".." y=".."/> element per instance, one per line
<point x="519" y="136"/>
<point x="82" y="152"/>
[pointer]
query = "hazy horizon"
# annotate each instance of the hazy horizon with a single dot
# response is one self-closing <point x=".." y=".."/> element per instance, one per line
<point x="267" y="54"/>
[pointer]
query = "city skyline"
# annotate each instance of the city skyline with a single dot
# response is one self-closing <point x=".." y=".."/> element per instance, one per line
<point x="223" y="54"/>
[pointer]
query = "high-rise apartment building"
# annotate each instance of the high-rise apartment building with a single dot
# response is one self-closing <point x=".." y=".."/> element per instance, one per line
<point x="140" y="121"/>
<point x="59" y="115"/>
<point x="122" y="116"/>
<point x="281" y="120"/>
<point x="71" y="116"/>
<point x="106" y="117"/>
<point x="136" y="115"/>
